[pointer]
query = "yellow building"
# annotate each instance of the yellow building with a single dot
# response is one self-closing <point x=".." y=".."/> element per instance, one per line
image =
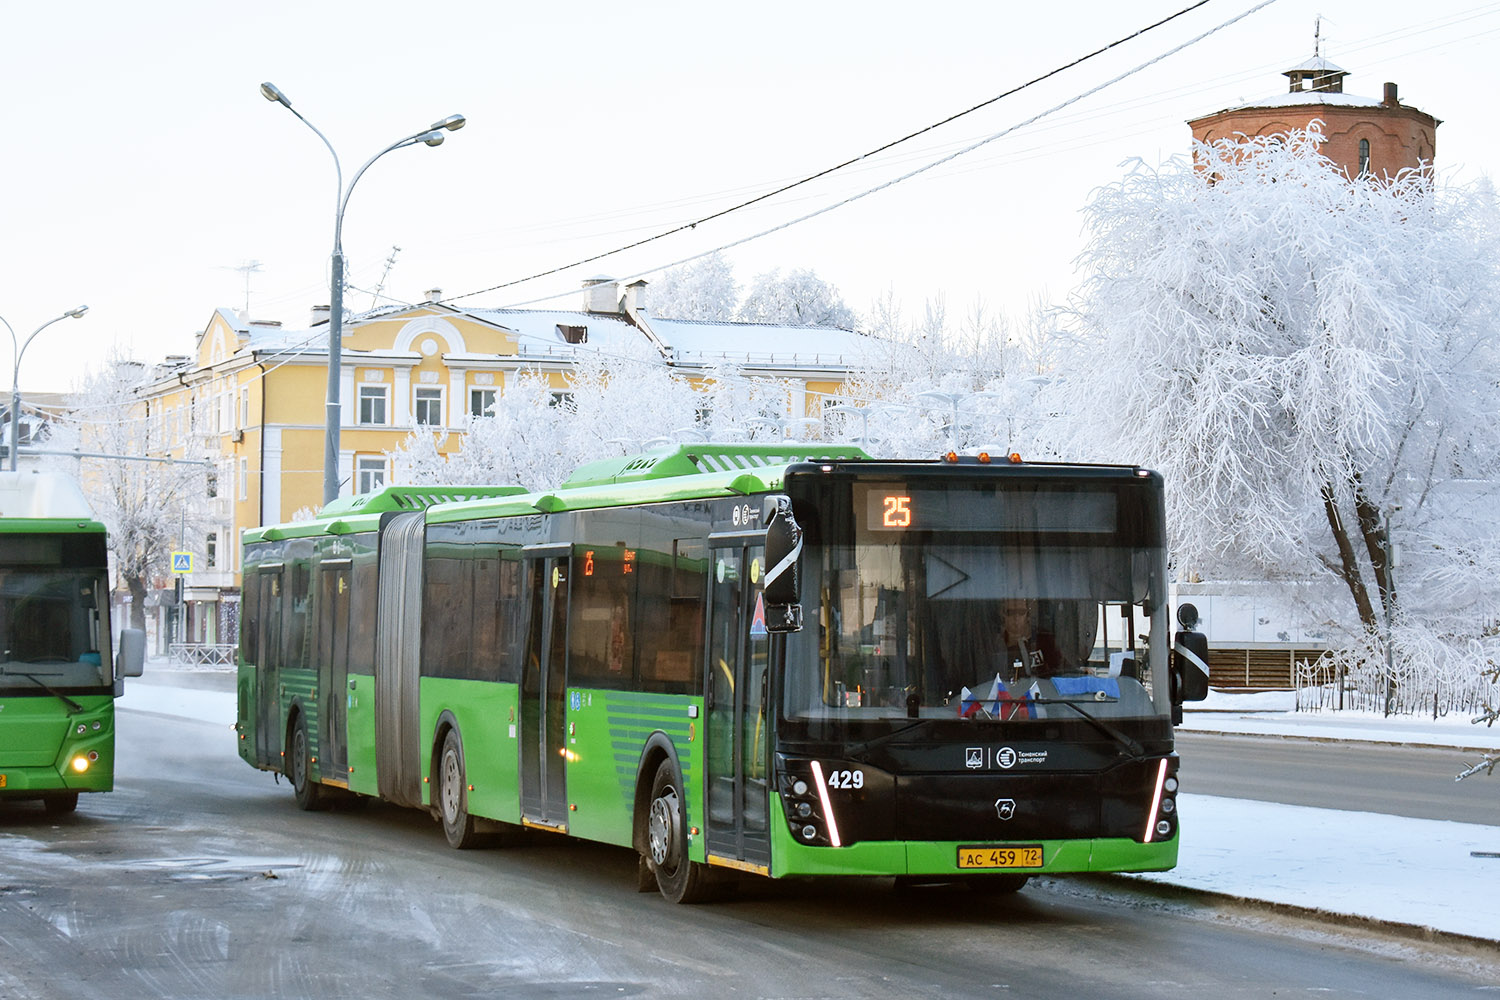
<point x="251" y="399"/>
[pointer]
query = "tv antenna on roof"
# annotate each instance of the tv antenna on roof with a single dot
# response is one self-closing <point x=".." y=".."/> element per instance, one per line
<point x="246" y="268"/>
<point x="390" y="262"/>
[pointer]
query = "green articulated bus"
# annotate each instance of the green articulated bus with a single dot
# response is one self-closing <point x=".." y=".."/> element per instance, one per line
<point x="58" y="679"/>
<point x="730" y="657"/>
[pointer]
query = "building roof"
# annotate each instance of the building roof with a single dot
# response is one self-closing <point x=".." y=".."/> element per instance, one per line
<point x="1308" y="97"/>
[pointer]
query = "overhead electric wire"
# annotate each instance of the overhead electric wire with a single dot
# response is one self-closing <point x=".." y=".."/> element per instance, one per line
<point x="847" y="163"/>
<point x="912" y="173"/>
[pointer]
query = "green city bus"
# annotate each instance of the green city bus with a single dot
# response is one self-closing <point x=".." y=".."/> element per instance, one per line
<point x="58" y="679"/>
<point x="778" y="660"/>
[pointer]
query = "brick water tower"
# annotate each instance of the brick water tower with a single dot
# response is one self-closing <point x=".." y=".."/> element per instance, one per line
<point x="1362" y="134"/>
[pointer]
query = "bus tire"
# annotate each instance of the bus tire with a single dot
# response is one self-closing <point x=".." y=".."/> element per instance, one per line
<point x="452" y="796"/>
<point x="60" y="804"/>
<point x="309" y="793"/>
<point x="680" y="880"/>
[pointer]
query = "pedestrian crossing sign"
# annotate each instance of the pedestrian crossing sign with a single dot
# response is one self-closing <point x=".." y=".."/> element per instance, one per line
<point x="182" y="562"/>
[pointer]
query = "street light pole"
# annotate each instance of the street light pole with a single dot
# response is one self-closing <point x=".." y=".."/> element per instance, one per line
<point x="15" y="380"/>
<point x="431" y="136"/>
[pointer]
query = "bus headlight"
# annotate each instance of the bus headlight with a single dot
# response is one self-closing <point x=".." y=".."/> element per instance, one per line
<point x="1163" y="828"/>
<point x="80" y="764"/>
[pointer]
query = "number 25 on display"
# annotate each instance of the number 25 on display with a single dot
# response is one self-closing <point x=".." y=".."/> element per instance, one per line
<point x="897" y="513"/>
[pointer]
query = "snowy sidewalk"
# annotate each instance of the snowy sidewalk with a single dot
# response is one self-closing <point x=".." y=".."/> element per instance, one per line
<point x="1417" y="872"/>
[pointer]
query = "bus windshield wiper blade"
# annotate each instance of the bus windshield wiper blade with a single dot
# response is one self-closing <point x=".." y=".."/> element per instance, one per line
<point x="1130" y="746"/>
<point x="73" y="706"/>
<point x="856" y="752"/>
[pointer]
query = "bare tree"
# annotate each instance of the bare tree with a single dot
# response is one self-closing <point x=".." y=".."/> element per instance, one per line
<point x="148" y="507"/>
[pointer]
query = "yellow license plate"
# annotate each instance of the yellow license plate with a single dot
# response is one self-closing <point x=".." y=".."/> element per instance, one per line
<point x="1011" y="856"/>
<point x="2" y="781"/>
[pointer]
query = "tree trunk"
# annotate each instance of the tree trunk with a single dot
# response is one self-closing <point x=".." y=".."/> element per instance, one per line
<point x="137" y="588"/>
<point x="1348" y="561"/>
<point x="1373" y="530"/>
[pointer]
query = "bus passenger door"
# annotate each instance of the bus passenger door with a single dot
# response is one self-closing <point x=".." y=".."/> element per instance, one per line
<point x="543" y="787"/>
<point x="738" y="650"/>
<point x="333" y="668"/>
<point x="267" y="673"/>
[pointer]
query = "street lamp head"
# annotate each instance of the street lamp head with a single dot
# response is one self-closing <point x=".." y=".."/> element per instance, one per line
<point x="434" y="138"/>
<point x="75" y="313"/>
<point x="269" y="92"/>
<point x="452" y="123"/>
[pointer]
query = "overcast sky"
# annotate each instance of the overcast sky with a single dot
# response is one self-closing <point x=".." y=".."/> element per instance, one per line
<point x="144" y="171"/>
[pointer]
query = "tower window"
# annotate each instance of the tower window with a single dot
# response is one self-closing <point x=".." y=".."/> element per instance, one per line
<point x="1364" y="157"/>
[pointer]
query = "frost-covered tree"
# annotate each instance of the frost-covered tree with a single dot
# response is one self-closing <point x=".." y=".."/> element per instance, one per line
<point x="935" y="386"/>
<point x="704" y="289"/>
<point x="148" y="507"/>
<point x="799" y="299"/>
<point x="1313" y="363"/>
<point x="614" y="405"/>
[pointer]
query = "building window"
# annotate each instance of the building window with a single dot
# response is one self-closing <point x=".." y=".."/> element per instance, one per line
<point x="372" y="404"/>
<point x="573" y="334"/>
<point x="211" y="550"/>
<point x="370" y="473"/>
<point x="428" y="407"/>
<point x="560" y="399"/>
<point x="244" y="408"/>
<point x="1364" y="157"/>
<point x="482" y="402"/>
<point x="244" y="479"/>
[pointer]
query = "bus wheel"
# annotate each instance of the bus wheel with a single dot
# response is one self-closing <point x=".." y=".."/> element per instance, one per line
<point x="309" y="793"/>
<point x="453" y="801"/>
<point x="57" y="805"/>
<point x="679" y="879"/>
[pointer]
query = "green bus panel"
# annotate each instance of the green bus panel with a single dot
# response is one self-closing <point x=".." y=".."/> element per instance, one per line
<point x="486" y="714"/>
<point x="42" y="740"/>
<point x="607" y="733"/>
<point x="300" y="688"/>
<point x="788" y="857"/>
<point x="246" y="684"/>
<point x="363" y="777"/>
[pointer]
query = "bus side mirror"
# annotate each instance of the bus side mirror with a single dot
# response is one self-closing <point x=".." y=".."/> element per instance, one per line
<point x="783" y="590"/>
<point x="130" y="661"/>
<point x="1189" y="659"/>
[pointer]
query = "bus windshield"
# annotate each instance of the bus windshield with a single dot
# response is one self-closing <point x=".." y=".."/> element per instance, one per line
<point x="49" y="630"/>
<point x="1013" y="621"/>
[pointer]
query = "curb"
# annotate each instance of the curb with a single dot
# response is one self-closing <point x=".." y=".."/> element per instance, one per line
<point x="1344" y="740"/>
<point x="1395" y="928"/>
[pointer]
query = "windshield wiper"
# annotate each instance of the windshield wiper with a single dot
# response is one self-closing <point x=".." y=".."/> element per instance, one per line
<point x="73" y="706"/>
<point x="858" y="751"/>
<point x="1130" y="746"/>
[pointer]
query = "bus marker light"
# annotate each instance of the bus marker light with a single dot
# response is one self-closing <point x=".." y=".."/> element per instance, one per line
<point x="833" y="827"/>
<point x="1153" y="827"/>
<point x="1164" y="828"/>
<point x="1015" y="458"/>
